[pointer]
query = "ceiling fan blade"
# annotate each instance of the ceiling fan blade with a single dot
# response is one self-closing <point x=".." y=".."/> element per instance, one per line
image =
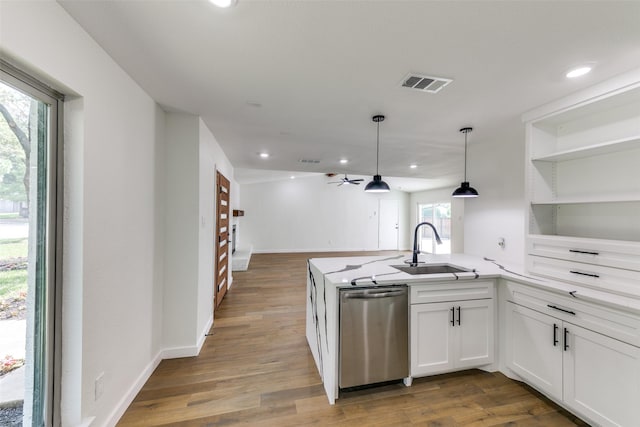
<point x="347" y="181"/>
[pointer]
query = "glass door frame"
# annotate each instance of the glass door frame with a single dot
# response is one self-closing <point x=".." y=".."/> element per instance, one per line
<point x="52" y="219"/>
<point x="446" y="235"/>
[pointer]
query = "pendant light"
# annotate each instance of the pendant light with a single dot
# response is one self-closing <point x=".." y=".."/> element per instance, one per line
<point x="377" y="185"/>
<point x="465" y="190"/>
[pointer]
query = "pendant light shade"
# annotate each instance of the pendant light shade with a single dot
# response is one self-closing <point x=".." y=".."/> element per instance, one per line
<point x="377" y="185"/>
<point x="465" y="190"/>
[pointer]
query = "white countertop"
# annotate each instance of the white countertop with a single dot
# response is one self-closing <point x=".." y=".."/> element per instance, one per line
<point x="371" y="270"/>
<point x="377" y="270"/>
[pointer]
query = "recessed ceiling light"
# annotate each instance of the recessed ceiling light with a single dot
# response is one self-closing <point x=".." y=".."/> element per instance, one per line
<point x="577" y="72"/>
<point x="224" y="3"/>
<point x="413" y="166"/>
<point x="344" y="161"/>
<point x="264" y="155"/>
<point x="292" y="177"/>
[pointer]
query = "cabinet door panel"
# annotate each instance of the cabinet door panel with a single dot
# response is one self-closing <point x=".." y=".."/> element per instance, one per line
<point x="607" y="253"/>
<point x="602" y="378"/>
<point x="431" y="335"/>
<point x="451" y="291"/>
<point x="531" y="352"/>
<point x="475" y="333"/>
<point x="616" y="280"/>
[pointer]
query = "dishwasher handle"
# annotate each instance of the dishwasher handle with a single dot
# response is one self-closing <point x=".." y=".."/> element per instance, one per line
<point x="370" y="295"/>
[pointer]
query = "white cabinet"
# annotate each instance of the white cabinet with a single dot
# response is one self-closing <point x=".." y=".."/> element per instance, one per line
<point x="583" y="228"/>
<point x="615" y="254"/>
<point x="451" y="335"/>
<point x="534" y="350"/>
<point x="559" y="347"/>
<point x="601" y="377"/>
<point x="431" y="338"/>
<point x="583" y="184"/>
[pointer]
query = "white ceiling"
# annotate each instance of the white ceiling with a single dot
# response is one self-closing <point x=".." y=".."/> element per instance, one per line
<point x="302" y="79"/>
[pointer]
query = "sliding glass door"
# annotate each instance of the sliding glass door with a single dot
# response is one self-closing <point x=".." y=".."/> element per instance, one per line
<point x="438" y="214"/>
<point x="30" y="248"/>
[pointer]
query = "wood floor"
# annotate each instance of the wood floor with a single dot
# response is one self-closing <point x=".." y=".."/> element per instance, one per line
<point x="256" y="369"/>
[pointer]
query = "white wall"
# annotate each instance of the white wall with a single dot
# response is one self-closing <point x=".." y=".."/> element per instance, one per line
<point x="139" y="200"/>
<point x="496" y="170"/>
<point x="159" y="230"/>
<point x="206" y="230"/>
<point x="182" y="221"/>
<point x="110" y="290"/>
<point x="457" y="213"/>
<point x="307" y="214"/>
<point x="192" y="157"/>
<point x="211" y="159"/>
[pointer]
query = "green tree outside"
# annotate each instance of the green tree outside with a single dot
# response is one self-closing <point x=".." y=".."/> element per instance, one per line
<point x="16" y="110"/>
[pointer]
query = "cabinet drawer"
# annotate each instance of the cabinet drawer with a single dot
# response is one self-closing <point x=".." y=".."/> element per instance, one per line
<point x="591" y="251"/>
<point x="619" y="281"/>
<point x="614" y="323"/>
<point x="457" y="290"/>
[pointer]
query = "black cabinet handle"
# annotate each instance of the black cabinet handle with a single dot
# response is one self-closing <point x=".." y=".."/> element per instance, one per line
<point x="584" y="274"/>
<point x="555" y="334"/>
<point x="566" y="339"/>
<point x="561" y="309"/>
<point x="459" y="315"/>
<point x="576" y="251"/>
<point x="453" y="316"/>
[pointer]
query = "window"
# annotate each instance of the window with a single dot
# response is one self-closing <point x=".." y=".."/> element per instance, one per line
<point x="30" y="241"/>
<point x="438" y="214"/>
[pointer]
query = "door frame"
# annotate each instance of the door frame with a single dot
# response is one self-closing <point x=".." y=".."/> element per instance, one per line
<point x="221" y="239"/>
<point x="392" y="206"/>
<point x="49" y="337"/>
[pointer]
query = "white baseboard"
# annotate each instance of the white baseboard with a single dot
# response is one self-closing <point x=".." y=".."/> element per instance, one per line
<point x="203" y="333"/>
<point x="190" y="350"/>
<point x="133" y="391"/>
<point x="168" y="353"/>
<point x="178" y="352"/>
<point x="86" y="422"/>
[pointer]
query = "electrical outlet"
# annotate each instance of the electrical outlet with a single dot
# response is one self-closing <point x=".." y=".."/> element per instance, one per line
<point x="99" y="386"/>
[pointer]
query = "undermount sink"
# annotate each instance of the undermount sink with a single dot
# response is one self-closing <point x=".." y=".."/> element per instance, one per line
<point x="430" y="269"/>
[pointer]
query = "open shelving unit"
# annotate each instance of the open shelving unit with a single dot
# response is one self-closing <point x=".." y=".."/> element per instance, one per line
<point x="583" y="185"/>
<point x="607" y="147"/>
<point x="582" y="195"/>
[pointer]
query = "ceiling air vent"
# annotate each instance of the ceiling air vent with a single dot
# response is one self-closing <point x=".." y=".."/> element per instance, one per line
<point x="425" y="83"/>
<point x="310" y="161"/>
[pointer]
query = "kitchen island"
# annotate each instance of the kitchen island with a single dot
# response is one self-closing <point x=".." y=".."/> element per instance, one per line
<point x="327" y="276"/>
<point x="502" y="300"/>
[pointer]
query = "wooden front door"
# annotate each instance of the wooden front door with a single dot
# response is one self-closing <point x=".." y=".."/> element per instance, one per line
<point x="222" y="239"/>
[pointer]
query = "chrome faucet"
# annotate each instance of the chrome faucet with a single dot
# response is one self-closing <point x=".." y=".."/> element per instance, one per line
<point x="414" y="259"/>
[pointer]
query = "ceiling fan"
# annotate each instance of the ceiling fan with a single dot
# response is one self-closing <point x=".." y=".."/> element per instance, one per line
<point x="347" y="181"/>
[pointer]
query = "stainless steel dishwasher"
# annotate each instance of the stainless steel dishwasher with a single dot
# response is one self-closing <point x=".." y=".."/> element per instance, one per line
<point x="374" y="329"/>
